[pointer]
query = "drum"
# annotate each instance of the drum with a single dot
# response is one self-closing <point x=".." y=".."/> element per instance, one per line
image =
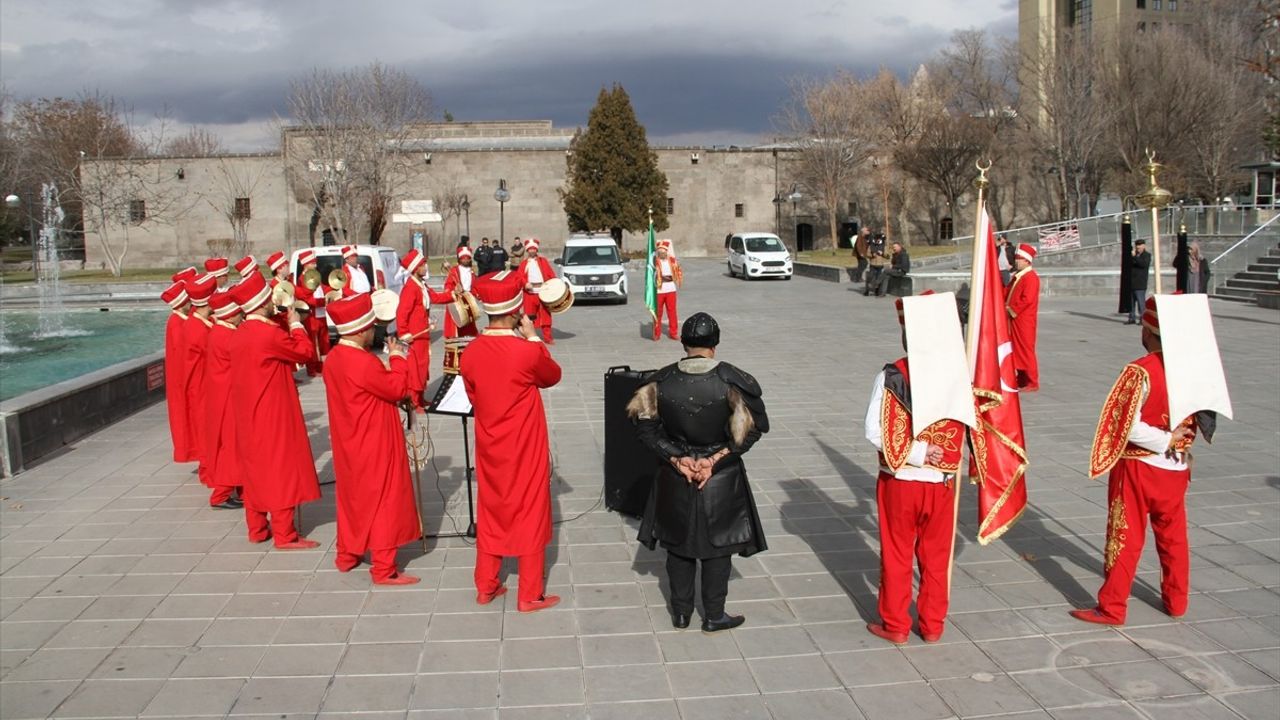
<point x="556" y="295"/>
<point x="453" y="348"/>
<point x="464" y="309"/>
<point x="385" y="303"/>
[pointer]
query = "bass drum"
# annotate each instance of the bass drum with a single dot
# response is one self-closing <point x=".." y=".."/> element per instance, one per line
<point x="385" y="303"/>
<point x="556" y="295"/>
<point x="464" y="310"/>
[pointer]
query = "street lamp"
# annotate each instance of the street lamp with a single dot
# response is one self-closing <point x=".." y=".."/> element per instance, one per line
<point x="502" y="195"/>
<point x="795" y="197"/>
<point x="777" y="215"/>
<point x="12" y="202"/>
<point x="466" y="210"/>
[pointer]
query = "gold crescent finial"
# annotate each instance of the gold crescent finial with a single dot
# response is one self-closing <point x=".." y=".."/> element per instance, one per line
<point x="1151" y="155"/>
<point x="983" y="168"/>
<point x="981" y="182"/>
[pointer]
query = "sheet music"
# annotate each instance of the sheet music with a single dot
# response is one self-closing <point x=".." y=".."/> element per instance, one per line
<point x="450" y="397"/>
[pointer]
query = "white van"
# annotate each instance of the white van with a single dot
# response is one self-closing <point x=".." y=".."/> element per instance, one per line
<point x="757" y="255"/>
<point x="381" y="264"/>
<point x="593" y="268"/>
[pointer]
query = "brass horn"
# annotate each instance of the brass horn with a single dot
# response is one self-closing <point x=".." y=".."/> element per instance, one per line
<point x="311" y="279"/>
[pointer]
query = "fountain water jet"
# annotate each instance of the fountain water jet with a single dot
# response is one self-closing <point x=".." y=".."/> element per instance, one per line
<point x="48" y="271"/>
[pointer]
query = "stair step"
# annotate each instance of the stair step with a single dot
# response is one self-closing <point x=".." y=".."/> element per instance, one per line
<point x="1237" y="293"/>
<point x="1252" y="285"/>
<point x="1258" y="272"/>
<point x="1232" y="298"/>
<point x="1272" y="260"/>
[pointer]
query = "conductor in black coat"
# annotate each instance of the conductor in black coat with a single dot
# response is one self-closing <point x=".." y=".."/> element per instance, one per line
<point x="700" y="416"/>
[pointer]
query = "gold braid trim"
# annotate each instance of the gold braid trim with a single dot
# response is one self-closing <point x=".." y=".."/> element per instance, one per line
<point x="984" y="536"/>
<point x="1117" y="523"/>
<point x="1116" y="420"/>
<point x="895" y="428"/>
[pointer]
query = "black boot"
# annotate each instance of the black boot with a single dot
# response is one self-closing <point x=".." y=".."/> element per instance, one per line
<point x="724" y="622"/>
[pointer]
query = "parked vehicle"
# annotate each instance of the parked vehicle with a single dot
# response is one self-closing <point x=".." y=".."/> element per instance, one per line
<point x="757" y="255"/>
<point x="381" y="264"/>
<point x="593" y="268"/>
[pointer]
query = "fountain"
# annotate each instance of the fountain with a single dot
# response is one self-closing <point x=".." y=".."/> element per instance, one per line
<point x="48" y="271"/>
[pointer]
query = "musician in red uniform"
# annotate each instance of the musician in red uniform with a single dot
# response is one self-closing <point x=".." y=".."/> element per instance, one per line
<point x="175" y="358"/>
<point x="536" y="270"/>
<point x="456" y="282"/>
<point x="271" y="435"/>
<point x="224" y="474"/>
<point x="1149" y="463"/>
<point x="413" y="324"/>
<point x="278" y="264"/>
<point x="195" y="335"/>
<point x="358" y="280"/>
<point x="669" y="277"/>
<point x="504" y="371"/>
<point x="220" y="269"/>
<point x="316" y="321"/>
<point x="1022" y="301"/>
<point x="915" y="502"/>
<point x="377" y="512"/>
<point x="244" y="266"/>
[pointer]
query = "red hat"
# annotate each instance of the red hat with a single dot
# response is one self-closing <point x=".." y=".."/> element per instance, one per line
<point x="500" y="293"/>
<point x="201" y="288"/>
<point x="1026" y="252"/>
<point x="412" y="260"/>
<point x="464" y="252"/>
<point x="897" y="304"/>
<point x="245" y="264"/>
<point x="348" y="251"/>
<point x="217" y="267"/>
<point x="353" y="314"/>
<point x="223" y="305"/>
<point x="531" y="244"/>
<point x="276" y="260"/>
<point x="663" y="243"/>
<point x="175" y="295"/>
<point x="306" y="257"/>
<point x="251" y="293"/>
<point x="184" y="273"/>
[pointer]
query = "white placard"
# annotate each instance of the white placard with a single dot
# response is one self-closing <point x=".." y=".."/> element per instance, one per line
<point x="940" y="385"/>
<point x="1192" y="364"/>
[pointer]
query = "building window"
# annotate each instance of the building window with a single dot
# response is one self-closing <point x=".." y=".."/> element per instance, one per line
<point x="1142" y="27"/>
<point x="1155" y="4"/>
<point x="1142" y="4"/>
<point x="137" y="211"/>
<point x="671" y="206"/>
<point x="1081" y="12"/>
<point x="739" y="210"/>
<point x="853" y="208"/>
<point x="1173" y="5"/>
<point x="242" y="210"/>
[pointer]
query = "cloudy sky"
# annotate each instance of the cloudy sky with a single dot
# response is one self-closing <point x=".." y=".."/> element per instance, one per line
<point x="698" y="71"/>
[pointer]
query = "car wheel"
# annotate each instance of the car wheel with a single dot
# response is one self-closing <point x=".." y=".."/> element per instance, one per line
<point x="787" y="277"/>
<point x="624" y="299"/>
<point x="731" y="272"/>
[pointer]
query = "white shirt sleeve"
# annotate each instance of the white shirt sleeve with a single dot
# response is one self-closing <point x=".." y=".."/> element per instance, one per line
<point x="1148" y="437"/>
<point x="359" y="280"/>
<point x="919" y="454"/>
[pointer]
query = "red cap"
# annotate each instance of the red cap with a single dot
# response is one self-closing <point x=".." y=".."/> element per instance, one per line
<point x="251" y="293"/>
<point x="500" y="293"/>
<point x="175" y="295"/>
<point x="276" y="260"/>
<point x="201" y="288"/>
<point x="663" y="243"/>
<point x="1026" y="252"/>
<point x="531" y="244"/>
<point x="306" y="257"/>
<point x="184" y="274"/>
<point x="412" y="260"/>
<point x="217" y="267"/>
<point x="464" y="252"/>
<point x="224" y="306"/>
<point x="902" y="318"/>
<point x="245" y="264"/>
<point x="352" y="315"/>
<point x="1150" y="316"/>
<point x="348" y="251"/>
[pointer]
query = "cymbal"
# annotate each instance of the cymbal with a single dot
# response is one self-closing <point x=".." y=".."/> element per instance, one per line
<point x="311" y="279"/>
<point x="338" y="279"/>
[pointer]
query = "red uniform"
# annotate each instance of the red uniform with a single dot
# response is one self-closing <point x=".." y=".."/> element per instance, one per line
<point x="316" y="325"/>
<point x="454" y="281"/>
<point x="219" y="427"/>
<point x="195" y="333"/>
<point x="668" y="280"/>
<point x="1132" y="435"/>
<point x="532" y="304"/>
<point x="271" y="436"/>
<point x="1022" y="300"/>
<point x="175" y="387"/>
<point x="916" y="504"/>
<point x="504" y="374"/>
<point x="412" y="325"/>
<point x="377" y="511"/>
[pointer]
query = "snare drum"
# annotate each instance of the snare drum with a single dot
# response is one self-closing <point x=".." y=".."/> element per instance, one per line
<point x="453" y="348"/>
<point x="556" y="295"/>
<point x="385" y="303"/>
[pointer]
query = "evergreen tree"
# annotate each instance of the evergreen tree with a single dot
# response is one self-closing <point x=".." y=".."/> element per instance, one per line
<point x="613" y="176"/>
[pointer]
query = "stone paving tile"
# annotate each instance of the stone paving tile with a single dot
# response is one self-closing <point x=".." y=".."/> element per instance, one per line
<point x="117" y="583"/>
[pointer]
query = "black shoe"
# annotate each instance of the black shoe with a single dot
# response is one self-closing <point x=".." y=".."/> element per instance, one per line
<point x="1130" y="322"/>
<point x="724" y="622"/>
<point x="680" y="621"/>
<point x="229" y="504"/>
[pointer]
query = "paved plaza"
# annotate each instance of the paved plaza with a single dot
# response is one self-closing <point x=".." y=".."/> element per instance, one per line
<point x="124" y="595"/>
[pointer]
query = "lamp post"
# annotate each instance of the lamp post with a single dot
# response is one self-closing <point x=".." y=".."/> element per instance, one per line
<point x="777" y="215"/>
<point x="502" y="195"/>
<point x="1154" y="198"/>
<point x="795" y="197"/>
<point x="466" y="211"/>
<point x="12" y="202"/>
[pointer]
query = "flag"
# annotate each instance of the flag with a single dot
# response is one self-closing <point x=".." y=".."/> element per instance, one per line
<point x="650" y="279"/>
<point x="998" y="457"/>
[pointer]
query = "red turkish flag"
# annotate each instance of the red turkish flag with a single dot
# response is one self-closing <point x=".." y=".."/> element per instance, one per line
<point x="998" y="461"/>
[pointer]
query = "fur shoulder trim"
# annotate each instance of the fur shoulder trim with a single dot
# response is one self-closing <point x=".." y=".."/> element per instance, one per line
<point x="741" y="421"/>
<point x="644" y="404"/>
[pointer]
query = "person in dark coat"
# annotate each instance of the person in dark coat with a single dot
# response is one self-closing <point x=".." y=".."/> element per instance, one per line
<point x="877" y="260"/>
<point x="700" y="416"/>
<point x="1139" y="268"/>
<point x="483" y="257"/>
<point x="497" y="258"/>
<point x="899" y="266"/>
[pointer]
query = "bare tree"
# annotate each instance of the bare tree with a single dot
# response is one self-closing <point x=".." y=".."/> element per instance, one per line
<point x="448" y="202"/>
<point x="195" y="142"/>
<point x="232" y="198"/>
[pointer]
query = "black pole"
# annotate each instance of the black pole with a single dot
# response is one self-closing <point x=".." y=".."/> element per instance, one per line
<point x="502" y="227"/>
<point x="1181" y="264"/>
<point x="1126" y="252"/>
<point x="471" y="506"/>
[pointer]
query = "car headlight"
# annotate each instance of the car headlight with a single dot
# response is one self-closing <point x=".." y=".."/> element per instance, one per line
<point x="615" y="278"/>
<point x="753" y="258"/>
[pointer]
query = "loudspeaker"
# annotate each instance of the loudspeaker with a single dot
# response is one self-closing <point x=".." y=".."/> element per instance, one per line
<point x="629" y="466"/>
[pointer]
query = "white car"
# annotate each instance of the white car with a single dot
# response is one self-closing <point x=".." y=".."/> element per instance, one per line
<point x="380" y="264"/>
<point x="757" y="255"/>
<point x="593" y="268"/>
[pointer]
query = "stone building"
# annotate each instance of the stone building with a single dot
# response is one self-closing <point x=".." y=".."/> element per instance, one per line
<point x="259" y="203"/>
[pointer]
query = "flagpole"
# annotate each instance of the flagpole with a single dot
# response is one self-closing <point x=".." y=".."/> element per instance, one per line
<point x="971" y="345"/>
<point x="1155" y="198"/>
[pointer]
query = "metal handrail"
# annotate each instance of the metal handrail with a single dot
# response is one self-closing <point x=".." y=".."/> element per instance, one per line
<point x="1245" y="239"/>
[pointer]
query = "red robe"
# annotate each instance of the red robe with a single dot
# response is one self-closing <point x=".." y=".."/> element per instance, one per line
<point x="532" y="304"/>
<point x="175" y="387"/>
<point x="503" y="376"/>
<point x="195" y="333"/>
<point x="317" y="326"/>
<point x="1022" y="301"/>
<point x="376" y="506"/>
<point x="451" y="282"/>
<point x="219" y="436"/>
<point x="412" y="322"/>
<point x="271" y="436"/>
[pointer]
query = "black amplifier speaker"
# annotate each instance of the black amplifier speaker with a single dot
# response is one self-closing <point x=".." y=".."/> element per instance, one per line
<point x="629" y="466"/>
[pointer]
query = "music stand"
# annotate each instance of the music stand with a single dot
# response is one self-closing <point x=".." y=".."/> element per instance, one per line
<point x="449" y="397"/>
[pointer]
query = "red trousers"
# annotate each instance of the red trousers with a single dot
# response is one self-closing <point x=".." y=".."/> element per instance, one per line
<point x="383" y="562"/>
<point x="318" y="329"/>
<point x="280" y="528"/>
<point x="540" y="315"/>
<point x="419" y="369"/>
<point x="220" y="493"/>
<point x="667" y="304"/>
<point x="531" y="580"/>
<point x="917" y="519"/>
<point x="1135" y="492"/>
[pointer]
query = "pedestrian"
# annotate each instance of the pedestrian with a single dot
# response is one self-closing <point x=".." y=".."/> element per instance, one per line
<point x="700" y="416"/>
<point x="1022" y="302"/>
<point x="497" y="258"/>
<point x="483" y="256"/>
<point x="1139" y="268"/>
<point x="669" y="277"/>
<point x="860" y="250"/>
<point x="899" y="267"/>
<point x="876" y="262"/>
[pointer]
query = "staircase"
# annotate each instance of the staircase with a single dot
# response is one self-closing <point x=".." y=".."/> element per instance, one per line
<point x="1259" y="277"/>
